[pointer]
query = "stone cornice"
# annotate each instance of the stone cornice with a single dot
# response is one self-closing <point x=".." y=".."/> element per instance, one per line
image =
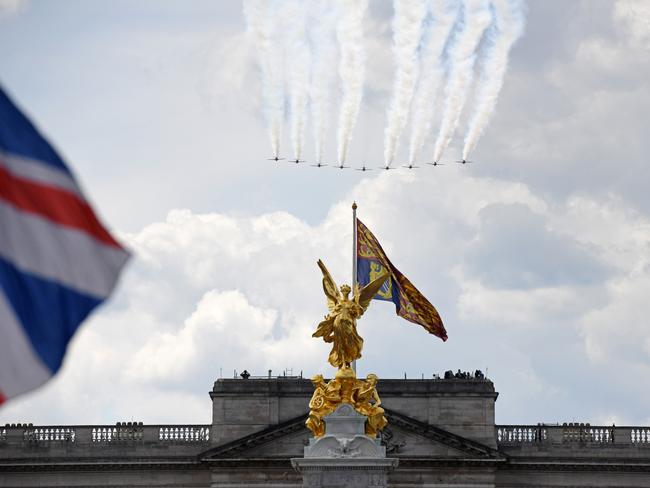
<point x="103" y="465"/>
<point x="476" y="449"/>
<point x="302" y="387"/>
<point x="572" y="465"/>
<point x="470" y="447"/>
<point x="233" y="448"/>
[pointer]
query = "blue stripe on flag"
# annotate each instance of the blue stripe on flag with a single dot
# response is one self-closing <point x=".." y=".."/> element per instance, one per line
<point x="49" y="312"/>
<point x="18" y="136"/>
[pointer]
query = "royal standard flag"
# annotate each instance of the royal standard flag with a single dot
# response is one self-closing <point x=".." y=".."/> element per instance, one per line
<point x="409" y="302"/>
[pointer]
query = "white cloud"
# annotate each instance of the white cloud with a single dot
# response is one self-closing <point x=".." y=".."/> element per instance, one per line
<point x="618" y="332"/>
<point x="634" y="15"/>
<point x="223" y="322"/>
<point x="625" y="239"/>
<point x="8" y="7"/>
<point x="538" y="307"/>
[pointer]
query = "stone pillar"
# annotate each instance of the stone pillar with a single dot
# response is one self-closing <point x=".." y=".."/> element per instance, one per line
<point x="344" y="457"/>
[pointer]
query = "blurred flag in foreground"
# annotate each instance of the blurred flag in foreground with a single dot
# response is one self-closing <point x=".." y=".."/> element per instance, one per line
<point x="57" y="261"/>
<point x="409" y="302"/>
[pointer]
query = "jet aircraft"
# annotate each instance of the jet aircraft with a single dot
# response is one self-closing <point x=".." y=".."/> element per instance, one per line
<point x="318" y="165"/>
<point x="436" y="163"/>
<point x="276" y="159"/>
<point x="463" y="161"/>
<point x="363" y="168"/>
<point x="410" y="166"/>
<point x="296" y="161"/>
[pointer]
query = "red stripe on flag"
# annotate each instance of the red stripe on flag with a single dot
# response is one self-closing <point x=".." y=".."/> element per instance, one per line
<point x="2" y="398"/>
<point x="54" y="204"/>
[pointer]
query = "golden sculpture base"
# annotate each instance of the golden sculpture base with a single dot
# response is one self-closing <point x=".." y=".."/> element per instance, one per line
<point x="345" y="388"/>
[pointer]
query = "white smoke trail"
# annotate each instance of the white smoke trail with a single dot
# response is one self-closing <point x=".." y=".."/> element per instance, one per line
<point x="349" y="33"/>
<point x="294" y="23"/>
<point x="507" y="27"/>
<point x="462" y="55"/>
<point x="261" y="26"/>
<point x="443" y="15"/>
<point x="322" y="73"/>
<point x="407" y="31"/>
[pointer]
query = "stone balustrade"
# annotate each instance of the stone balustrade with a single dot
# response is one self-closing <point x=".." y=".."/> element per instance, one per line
<point x="520" y="434"/>
<point x="122" y="432"/>
<point x="134" y="432"/>
<point x="188" y="433"/>
<point x="572" y="433"/>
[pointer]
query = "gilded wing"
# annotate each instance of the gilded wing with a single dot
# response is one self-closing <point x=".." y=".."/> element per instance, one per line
<point x="370" y="290"/>
<point x="325" y="329"/>
<point x="329" y="287"/>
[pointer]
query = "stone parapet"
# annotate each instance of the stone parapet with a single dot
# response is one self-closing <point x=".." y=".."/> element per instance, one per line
<point x="394" y="387"/>
<point x="574" y="440"/>
<point x="125" y="439"/>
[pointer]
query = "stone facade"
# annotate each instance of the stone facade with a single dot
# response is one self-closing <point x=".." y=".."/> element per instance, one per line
<point x="442" y="433"/>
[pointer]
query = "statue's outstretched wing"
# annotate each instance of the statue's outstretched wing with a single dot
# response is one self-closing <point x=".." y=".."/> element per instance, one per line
<point x="364" y="296"/>
<point x="329" y="287"/>
<point x="325" y="329"/>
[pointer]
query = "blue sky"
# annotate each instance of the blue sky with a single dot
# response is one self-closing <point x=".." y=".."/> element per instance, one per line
<point x="536" y="256"/>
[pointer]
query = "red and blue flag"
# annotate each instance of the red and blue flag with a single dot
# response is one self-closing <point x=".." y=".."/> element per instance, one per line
<point x="410" y="304"/>
<point x="57" y="261"/>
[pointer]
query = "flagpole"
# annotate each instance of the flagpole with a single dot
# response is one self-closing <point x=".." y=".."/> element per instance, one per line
<point x="354" y="260"/>
<point x="354" y="243"/>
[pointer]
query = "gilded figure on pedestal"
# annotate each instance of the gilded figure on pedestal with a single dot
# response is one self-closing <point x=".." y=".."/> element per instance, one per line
<point x="368" y="403"/>
<point x="340" y="325"/>
<point x="339" y="328"/>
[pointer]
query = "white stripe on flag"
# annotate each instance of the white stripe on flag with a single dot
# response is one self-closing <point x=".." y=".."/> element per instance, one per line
<point x="21" y="369"/>
<point x="36" y="172"/>
<point x="65" y="255"/>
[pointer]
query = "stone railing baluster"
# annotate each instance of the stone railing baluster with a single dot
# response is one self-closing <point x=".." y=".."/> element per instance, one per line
<point x="184" y="433"/>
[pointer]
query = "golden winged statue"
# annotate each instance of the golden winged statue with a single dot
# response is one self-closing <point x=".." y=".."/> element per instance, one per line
<point x="340" y="324"/>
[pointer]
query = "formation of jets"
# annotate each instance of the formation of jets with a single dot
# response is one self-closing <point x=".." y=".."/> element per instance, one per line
<point x="363" y="167"/>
